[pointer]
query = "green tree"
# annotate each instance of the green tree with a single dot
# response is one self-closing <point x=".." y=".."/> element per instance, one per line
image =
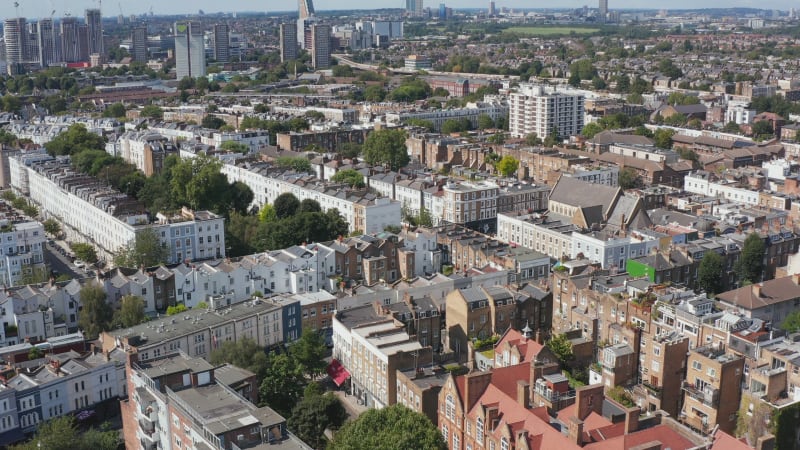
<point x="750" y="266"/>
<point x="453" y="126"/>
<point x="309" y="353"/>
<point x="791" y="324"/>
<point x="710" y="272"/>
<point x="309" y="205"/>
<point x="732" y="127"/>
<point x="316" y="413"/>
<point x="497" y="139"/>
<point x="591" y="129"/>
<point x="296" y="163"/>
<point x="349" y="150"/>
<point x="628" y="178"/>
<point x="485" y="122"/>
<point x="244" y="353"/>
<point x="533" y="140"/>
<point x="52" y="227"/>
<point x="96" y="314"/>
<point x="213" y="122"/>
<point x="76" y="139"/>
<point x="374" y="93"/>
<point x="267" y="213"/>
<point x="84" y="252"/>
<point x="390" y="428"/>
<point x="283" y="383"/>
<point x="508" y="166"/>
<point x="152" y="112"/>
<point x="234" y="146"/>
<point x="62" y="432"/>
<point x="663" y="137"/>
<point x="762" y="130"/>
<point x="115" y="110"/>
<point x="177" y="309"/>
<point x="386" y="147"/>
<point x="131" y="311"/>
<point x="286" y="205"/>
<point x="35" y="353"/>
<point x="561" y="347"/>
<point x="351" y="177"/>
<point x="146" y="250"/>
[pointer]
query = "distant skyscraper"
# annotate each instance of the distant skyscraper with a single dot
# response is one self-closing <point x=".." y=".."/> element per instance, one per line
<point x="320" y="46"/>
<point x="139" y="43"/>
<point x="190" y="53"/>
<point x="70" y="47"/>
<point x="602" y="9"/>
<point x="222" y="43"/>
<point x="492" y="11"/>
<point x="288" y="41"/>
<point x="83" y="42"/>
<point x="94" y="33"/>
<point x="414" y="7"/>
<point x="15" y="34"/>
<point x="442" y="11"/>
<point x="306" y="8"/>
<point x="47" y="42"/>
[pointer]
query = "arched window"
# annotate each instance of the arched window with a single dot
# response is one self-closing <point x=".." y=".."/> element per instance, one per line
<point x="450" y="407"/>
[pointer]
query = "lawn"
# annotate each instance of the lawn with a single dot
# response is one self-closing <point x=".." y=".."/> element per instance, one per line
<point x="549" y="31"/>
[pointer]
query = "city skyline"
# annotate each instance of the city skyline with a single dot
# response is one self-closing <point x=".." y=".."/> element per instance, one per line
<point x="77" y="7"/>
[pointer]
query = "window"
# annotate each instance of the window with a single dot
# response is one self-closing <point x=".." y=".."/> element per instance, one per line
<point x="445" y="434"/>
<point x="479" y="430"/>
<point x="450" y="407"/>
<point x="696" y="365"/>
<point x="456" y="442"/>
<point x="503" y="444"/>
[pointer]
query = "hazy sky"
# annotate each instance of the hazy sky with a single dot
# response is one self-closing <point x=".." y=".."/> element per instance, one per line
<point x="42" y="8"/>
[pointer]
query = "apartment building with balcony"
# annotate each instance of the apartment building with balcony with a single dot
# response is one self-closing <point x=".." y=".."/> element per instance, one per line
<point x="177" y="401"/>
<point x="542" y="110"/>
<point x="712" y="389"/>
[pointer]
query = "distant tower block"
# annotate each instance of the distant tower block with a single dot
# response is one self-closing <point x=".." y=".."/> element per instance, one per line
<point x="306" y="8"/>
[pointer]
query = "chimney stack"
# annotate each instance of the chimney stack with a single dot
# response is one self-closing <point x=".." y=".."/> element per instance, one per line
<point x="632" y="419"/>
<point x="575" y="431"/>
<point x="523" y="393"/>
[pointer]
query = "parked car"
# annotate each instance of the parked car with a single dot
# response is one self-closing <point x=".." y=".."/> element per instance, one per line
<point x="79" y="264"/>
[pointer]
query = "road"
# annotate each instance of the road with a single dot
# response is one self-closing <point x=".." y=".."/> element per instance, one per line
<point x="62" y="265"/>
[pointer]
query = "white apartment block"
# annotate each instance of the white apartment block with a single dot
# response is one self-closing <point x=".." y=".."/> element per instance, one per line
<point x="608" y="176"/>
<point x="700" y="183"/>
<point x="542" y="110"/>
<point x="363" y="212"/>
<point x="437" y="117"/>
<point x="610" y="250"/>
<point x="553" y="237"/>
<point x="21" y="249"/>
<point x="109" y="219"/>
<point x="647" y="153"/>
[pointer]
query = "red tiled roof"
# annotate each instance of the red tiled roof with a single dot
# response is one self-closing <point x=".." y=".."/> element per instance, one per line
<point x="505" y="378"/>
<point x="724" y="441"/>
<point x="668" y="437"/>
<point x="528" y="348"/>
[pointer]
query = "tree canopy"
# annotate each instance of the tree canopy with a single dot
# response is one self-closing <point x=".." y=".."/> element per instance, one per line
<point x="392" y="428"/>
<point x="96" y="314"/>
<point x="316" y="413"/>
<point x="710" y="272"/>
<point x="62" y="432"/>
<point x="131" y="312"/>
<point x="750" y="266"/>
<point x="387" y="147"/>
<point x="244" y="353"/>
<point x="76" y="139"/>
<point x="351" y="177"/>
<point x="146" y="250"/>
<point x="508" y="166"/>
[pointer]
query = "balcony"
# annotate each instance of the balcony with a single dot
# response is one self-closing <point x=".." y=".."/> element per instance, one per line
<point x="652" y="390"/>
<point x="707" y="396"/>
<point x="148" y="427"/>
<point x="148" y="445"/>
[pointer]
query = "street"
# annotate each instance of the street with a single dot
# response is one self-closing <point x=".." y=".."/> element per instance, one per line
<point x="57" y="262"/>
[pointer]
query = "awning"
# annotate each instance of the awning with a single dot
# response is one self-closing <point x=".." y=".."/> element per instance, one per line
<point x="337" y="372"/>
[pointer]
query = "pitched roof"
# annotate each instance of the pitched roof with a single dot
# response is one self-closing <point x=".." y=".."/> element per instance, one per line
<point x="762" y="294"/>
<point x="575" y="192"/>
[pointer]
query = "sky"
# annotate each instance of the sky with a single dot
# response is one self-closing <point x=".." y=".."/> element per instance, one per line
<point x="42" y="8"/>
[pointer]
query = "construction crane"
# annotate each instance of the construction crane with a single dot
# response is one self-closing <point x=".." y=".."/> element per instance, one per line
<point x="16" y="8"/>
